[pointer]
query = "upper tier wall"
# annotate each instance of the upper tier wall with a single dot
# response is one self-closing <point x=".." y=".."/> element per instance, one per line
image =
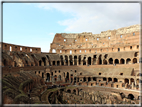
<point x="123" y="37"/>
<point x="18" y="48"/>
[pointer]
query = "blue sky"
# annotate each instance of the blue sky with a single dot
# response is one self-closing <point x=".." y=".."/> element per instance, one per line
<point x="35" y="24"/>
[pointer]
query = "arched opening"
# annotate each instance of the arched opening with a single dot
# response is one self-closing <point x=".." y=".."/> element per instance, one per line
<point x="53" y="51"/>
<point x="40" y="63"/>
<point x="10" y="48"/>
<point x="75" y="60"/>
<point x="131" y="96"/>
<point x="84" y="79"/>
<point x="79" y="61"/>
<point x="68" y="91"/>
<point x="89" y="79"/>
<point x="104" y="62"/>
<point x="74" y="80"/>
<point x="94" y="78"/>
<point x="100" y="60"/>
<point x="66" y="59"/>
<point x="104" y="79"/>
<point x="105" y="56"/>
<point x="132" y="80"/>
<point x="58" y="63"/>
<point x="126" y="80"/>
<point x="110" y="61"/>
<point x="84" y="61"/>
<point x="109" y="79"/>
<point x="53" y="63"/>
<point x="48" y="77"/>
<point x="139" y="74"/>
<point x="26" y="63"/>
<point x="77" y="79"/>
<point x="55" y="78"/>
<point x="44" y="61"/>
<point x="116" y="61"/>
<point x="115" y="80"/>
<point x="74" y="91"/>
<point x="15" y="64"/>
<point x="137" y="81"/>
<point x="67" y="77"/>
<point x="70" y="51"/>
<point x="118" y="49"/>
<point x="94" y="59"/>
<point x="135" y="60"/>
<point x="71" y="78"/>
<point x="42" y="75"/>
<point x="89" y="60"/>
<point x="62" y="62"/>
<point x="128" y="61"/>
<point x="122" y="61"/>
<point x="122" y="95"/>
<point x="71" y="61"/>
<point x="136" y="54"/>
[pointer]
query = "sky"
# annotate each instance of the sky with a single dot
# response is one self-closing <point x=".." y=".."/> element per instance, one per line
<point x="35" y="24"/>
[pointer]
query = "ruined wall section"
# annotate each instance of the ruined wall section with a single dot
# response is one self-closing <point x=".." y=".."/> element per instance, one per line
<point x="19" y="48"/>
<point x="106" y="39"/>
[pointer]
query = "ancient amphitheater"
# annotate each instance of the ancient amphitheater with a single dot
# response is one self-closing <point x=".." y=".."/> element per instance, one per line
<point x="81" y="68"/>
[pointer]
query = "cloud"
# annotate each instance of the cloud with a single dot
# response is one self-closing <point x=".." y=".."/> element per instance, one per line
<point x="96" y="17"/>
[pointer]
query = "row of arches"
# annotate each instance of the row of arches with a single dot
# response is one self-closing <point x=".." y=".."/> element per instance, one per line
<point x="94" y="61"/>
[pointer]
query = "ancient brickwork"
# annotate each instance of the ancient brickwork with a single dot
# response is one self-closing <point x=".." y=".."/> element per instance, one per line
<point x="104" y="62"/>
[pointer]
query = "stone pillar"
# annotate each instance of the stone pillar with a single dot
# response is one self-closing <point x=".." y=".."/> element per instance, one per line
<point x="132" y="85"/>
<point x="51" y="62"/>
<point x="77" y="62"/>
<point x="129" y="81"/>
<point x="135" y="82"/>
<point x="107" y="79"/>
<point x="126" y="85"/>
<point x="72" y="61"/>
<point x="81" y="62"/>
<point x="59" y="63"/>
<point x="86" y="61"/>
<point x="42" y="64"/>
<point x="112" y="79"/>
<point x="125" y="61"/>
<point x="92" y="61"/>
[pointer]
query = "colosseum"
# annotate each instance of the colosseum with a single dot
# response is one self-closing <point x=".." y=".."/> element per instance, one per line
<point x="80" y="68"/>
